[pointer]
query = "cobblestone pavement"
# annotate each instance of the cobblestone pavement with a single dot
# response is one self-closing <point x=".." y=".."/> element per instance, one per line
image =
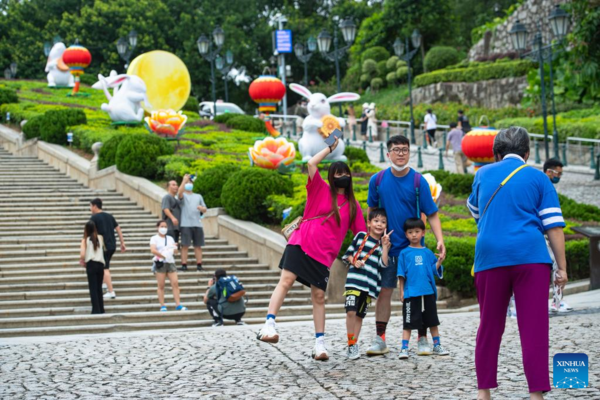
<point x="225" y="363"/>
<point x="577" y="182"/>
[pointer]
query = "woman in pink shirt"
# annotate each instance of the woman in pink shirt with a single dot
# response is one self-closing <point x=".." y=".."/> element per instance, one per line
<point x="313" y="247"/>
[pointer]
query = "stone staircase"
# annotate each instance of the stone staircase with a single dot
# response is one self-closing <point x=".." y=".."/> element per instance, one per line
<point x="43" y="289"/>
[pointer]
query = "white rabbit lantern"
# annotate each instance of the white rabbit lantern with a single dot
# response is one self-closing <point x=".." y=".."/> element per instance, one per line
<point x="319" y="106"/>
<point x="128" y="92"/>
<point x="58" y="71"/>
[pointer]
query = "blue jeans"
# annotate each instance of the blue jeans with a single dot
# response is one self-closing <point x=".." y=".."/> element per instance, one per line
<point x="389" y="275"/>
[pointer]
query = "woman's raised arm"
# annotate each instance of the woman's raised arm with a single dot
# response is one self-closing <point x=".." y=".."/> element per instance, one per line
<point x="313" y="163"/>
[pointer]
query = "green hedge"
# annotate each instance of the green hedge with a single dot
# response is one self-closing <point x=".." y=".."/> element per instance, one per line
<point x="460" y="256"/>
<point x="377" y="53"/>
<point x="246" y="123"/>
<point x="578" y="259"/>
<point x="439" y="57"/>
<point x="483" y="72"/>
<point x="578" y="211"/>
<point x="356" y="155"/>
<point x="454" y="184"/>
<point x="52" y="126"/>
<point x="191" y="104"/>
<point x="245" y="193"/>
<point x="137" y="154"/>
<point x="223" y="118"/>
<point x="210" y="183"/>
<point x="8" y="96"/>
<point x="108" y="151"/>
<point x="588" y="127"/>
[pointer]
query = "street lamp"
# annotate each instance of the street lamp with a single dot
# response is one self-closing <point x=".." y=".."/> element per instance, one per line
<point x="559" y="21"/>
<point x="13" y="69"/>
<point x="304" y="56"/>
<point x="399" y="48"/>
<point x="205" y="50"/>
<point x="7" y="73"/>
<point x="348" y="28"/>
<point x="224" y="66"/>
<point x="125" y="46"/>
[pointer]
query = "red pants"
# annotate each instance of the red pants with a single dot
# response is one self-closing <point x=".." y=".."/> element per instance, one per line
<point x="530" y="283"/>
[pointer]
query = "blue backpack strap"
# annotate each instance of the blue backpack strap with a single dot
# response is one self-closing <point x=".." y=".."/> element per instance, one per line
<point x="418" y="192"/>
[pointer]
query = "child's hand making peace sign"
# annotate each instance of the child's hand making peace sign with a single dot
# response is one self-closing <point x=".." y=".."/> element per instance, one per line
<point x="386" y="242"/>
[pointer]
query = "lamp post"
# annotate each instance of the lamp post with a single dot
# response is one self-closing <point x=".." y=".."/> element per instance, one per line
<point x="13" y="69"/>
<point x="125" y="47"/>
<point x="304" y="56"/>
<point x="399" y="48"/>
<point x="205" y="50"/>
<point x="348" y="29"/>
<point x="559" y="22"/>
<point x="224" y="67"/>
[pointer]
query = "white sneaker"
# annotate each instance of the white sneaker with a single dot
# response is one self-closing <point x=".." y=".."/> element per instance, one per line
<point x="110" y="295"/>
<point x="268" y="333"/>
<point x="320" y="351"/>
<point x="440" y="351"/>
<point x="423" y="348"/>
<point x="403" y="354"/>
<point x="564" y="307"/>
<point x="353" y="352"/>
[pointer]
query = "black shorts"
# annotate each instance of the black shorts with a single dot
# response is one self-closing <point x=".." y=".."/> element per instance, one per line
<point x="420" y="312"/>
<point x="431" y="133"/>
<point x="309" y="271"/>
<point x="175" y="235"/>
<point x="189" y="234"/>
<point x="107" y="256"/>
<point x="357" y="301"/>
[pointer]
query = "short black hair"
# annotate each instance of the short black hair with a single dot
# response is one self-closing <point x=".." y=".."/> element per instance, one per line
<point x="377" y="212"/>
<point x="397" y="139"/>
<point x="220" y="273"/>
<point x="453" y="124"/>
<point x="461" y="112"/>
<point x="160" y="222"/>
<point x="97" y="202"/>
<point x="552" y="163"/>
<point x="429" y="110"/>
<point x="413" y="223"/>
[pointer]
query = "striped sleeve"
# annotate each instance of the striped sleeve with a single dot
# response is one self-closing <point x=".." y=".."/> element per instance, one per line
<point x="353" y="247"/>
<point x="473" y="201"/>
<point x="549" y="210"/>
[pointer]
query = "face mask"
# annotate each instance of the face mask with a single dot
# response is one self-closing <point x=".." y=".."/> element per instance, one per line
<point x="189" y="186"/>
<point x="555" y="179"/>
<point x="342" y="182"/>
<point x="162" y="231"/>
<point x="397" y="168"/>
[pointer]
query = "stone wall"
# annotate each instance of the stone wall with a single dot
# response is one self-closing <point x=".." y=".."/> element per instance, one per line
<point x="495" y="93"/>
<point x="530" y="13"/>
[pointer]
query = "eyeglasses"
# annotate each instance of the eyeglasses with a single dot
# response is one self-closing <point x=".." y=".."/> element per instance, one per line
<point x="400" y="150"/>
<point x="555" y="172"/>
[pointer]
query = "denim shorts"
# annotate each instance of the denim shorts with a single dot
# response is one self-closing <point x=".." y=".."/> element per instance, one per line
<point x="389" y="275"/>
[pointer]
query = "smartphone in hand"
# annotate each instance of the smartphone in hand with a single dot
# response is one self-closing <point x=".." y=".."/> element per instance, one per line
<point x="330" y="140"/>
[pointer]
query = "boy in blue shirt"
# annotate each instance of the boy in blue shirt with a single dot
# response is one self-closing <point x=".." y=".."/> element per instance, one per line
<point x="417" y="266"/>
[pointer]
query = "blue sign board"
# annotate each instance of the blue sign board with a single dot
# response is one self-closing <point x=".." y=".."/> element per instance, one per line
<point x="283" y="41"/>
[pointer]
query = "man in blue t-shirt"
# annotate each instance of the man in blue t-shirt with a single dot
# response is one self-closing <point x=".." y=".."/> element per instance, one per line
<point x="396" y="192"/>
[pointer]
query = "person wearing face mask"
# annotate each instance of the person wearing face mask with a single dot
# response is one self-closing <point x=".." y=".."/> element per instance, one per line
<point x="553" y="168"/>
<point x="331" y="210"/>
<point x="163" y="247"/>
<point x="192" y="208"/>
<point x="404" y="195"/>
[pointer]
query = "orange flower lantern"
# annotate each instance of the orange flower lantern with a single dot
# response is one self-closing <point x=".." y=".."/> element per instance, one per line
<point x="478" y="146"/>
<point x="267" y="91"/>
<point x="271" y="153"/>
<point x="77" y="58"/>
<point x="166" y="123"/>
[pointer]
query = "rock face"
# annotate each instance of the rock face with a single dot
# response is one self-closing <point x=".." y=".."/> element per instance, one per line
<point x="530" y="13"/>
<point x="495" y="93"/>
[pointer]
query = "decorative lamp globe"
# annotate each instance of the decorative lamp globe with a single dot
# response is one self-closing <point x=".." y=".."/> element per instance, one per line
<point x="219" y="36"/>
<point x="324" y="41"/>
<point x="398" y="47"/>
<point x="518" y="35"/>
<point x="348" y="29"/>
<point x="416" y="39"/>
<point x="203" y="44"/>
<point x="559" y="22"/>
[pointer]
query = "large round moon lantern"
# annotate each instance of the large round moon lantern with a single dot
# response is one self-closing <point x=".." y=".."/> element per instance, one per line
<point x="267" y="91"/>
<point x="478" y="146"/>
<point x="77" y="58"/>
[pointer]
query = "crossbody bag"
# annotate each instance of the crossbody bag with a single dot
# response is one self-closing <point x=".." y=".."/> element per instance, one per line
<point x="494" y="195"/>
<point x="157" y="263"/>
<point x="290" y="228"/>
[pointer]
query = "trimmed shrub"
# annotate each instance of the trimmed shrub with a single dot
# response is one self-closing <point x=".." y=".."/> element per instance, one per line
<point x="402" y="74"/>
<point x="578" y="259"/>
<point x="356" y="155"/>
<point x="210" y="183"/>
<point x="369" y="67"/>
<point x="108" y="151"/>
<point x="454" y="184"/>
<point x="440" y="57"/>
<point x="401" y="63"/>
<point x="247" y="123"/>
<point x="8" y="96"/>
<point x="391" y="63"/>
<point x="52" y="126"/>
<point x="376" y="83"/>
<point x="391" y="78"/>
<point x="32" y="128"/>
<point x="382" y="69"/>
<point x="364" y="78"/>
<point x="137" y="154"/>
<point x="245" y="193"/>
<point x="457" y="265"/>
<point x="578" y="211"/>
<point x="479" y="73"/>
<point x="191" y="104"/>
<point x="223" y="118"/>
<point x="376" y="53"/>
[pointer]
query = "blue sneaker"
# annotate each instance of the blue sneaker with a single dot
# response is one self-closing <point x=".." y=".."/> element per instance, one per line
<point x="163" y="308"/>
<point x="181" y="308"/>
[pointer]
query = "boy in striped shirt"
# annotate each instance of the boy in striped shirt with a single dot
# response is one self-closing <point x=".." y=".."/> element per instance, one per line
<point x="367" y="254"/>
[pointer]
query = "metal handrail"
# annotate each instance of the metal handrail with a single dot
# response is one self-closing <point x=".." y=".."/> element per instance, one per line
<point x="578" y="139"/>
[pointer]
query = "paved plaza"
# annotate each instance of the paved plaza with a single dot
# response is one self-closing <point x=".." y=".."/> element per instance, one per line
<point x="228" y="362"/>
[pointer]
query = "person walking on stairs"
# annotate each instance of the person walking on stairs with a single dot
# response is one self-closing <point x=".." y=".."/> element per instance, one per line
<point x="163" y="247"/>
<point x="106" y="226"/>
<point x="192" y="209"/>
<point x="331" y="210"/>
<point x="171" y="210"/>
<point x="92" y="257"/>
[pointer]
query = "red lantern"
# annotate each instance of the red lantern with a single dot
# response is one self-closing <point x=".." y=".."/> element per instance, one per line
<point x="478" y="146"/>
<point x="77" y="58"/>
<point x="267" y="91"/>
